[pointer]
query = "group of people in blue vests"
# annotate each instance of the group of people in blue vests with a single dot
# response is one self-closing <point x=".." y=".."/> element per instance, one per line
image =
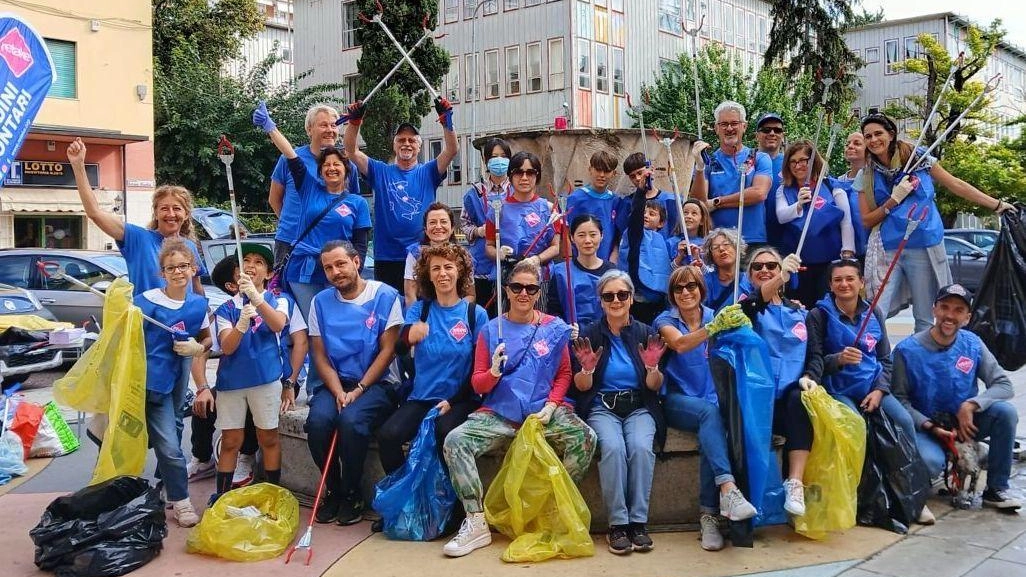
<point x="610" y="306"/>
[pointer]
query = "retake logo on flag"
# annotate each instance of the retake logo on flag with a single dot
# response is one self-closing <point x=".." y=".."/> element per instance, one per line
<point x="26" y="75"/>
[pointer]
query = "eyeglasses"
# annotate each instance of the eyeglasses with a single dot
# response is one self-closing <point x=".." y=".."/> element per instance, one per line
<point x="798" y="161"/>
<point x="771" y="130"/>
<point x="757" y="266"/>
<point x="688" y="286"/>
<point x="529" y="172"/>
<point x="621" y="296"/>
<point x="517" y="288"/>
<point x="734" y="124"/>
<point x="177" y="267"/>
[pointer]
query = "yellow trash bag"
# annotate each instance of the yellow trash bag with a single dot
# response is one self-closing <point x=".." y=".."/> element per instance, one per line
<point x="834" y="468"/>
<point x="31" y="323"/>
<point x="110" y="378"/>
<point x="247" y="524"/>
<point x="534" y="501"/>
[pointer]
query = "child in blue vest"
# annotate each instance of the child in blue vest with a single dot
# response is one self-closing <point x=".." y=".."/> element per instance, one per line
<point x="653" y="263"/>
<point x="186" y="312"/>
<point x="250" y="370"/>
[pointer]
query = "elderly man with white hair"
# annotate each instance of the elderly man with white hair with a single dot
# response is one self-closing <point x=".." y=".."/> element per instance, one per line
<point x="717" y="184"/>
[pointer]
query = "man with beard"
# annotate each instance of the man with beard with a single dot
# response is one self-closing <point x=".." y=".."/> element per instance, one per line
<point x="403" y="190"/>
<point x="719" y="189"/>
<point x="353" y="329"/>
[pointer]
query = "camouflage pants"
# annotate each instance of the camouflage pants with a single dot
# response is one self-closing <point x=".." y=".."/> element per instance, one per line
<point x="484" y="431"/>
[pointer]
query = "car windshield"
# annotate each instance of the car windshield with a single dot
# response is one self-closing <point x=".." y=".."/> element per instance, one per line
<point x="114" y="262"/>
<point x="216" y="224"/>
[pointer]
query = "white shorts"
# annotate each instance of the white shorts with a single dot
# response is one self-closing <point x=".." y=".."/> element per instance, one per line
<point x="264" y="401"/>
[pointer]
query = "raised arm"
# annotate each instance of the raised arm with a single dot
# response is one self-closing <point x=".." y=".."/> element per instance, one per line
<point x="351" y="135"/>
<point x="108" y="222"/>
<point x="450" y="146"/>
<point x="262" y="120"/>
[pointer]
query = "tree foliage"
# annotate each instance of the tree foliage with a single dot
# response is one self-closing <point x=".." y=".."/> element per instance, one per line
<point x="807" y="38"/>
<point x="404" y="98"/>
<point x="215" y="31"/>
<point x="863" y="18"/>
<point x="996" y="169"/>
<point x="670" y="100"/>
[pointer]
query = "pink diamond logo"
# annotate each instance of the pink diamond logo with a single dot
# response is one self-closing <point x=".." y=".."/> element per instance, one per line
<point x="964" y="364"/>
<point x="870" y="341"/>
<point x="369" y="323"/>
<point x="179" y="326"/>
<point x="344" y="210"/>
<point x="15" y="51"/>
<point x="459" y="331"/>
<point x="532" y="219"/>
<point x="819" y="202"/>
<point x="541" y="347"/>
<point x="799" y="331"/>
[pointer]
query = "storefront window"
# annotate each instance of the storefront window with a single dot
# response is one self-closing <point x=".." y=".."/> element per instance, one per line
<point x="48" y="232"/>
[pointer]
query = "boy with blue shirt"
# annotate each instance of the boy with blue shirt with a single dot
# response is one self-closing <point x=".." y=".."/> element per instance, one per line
<point x="637" y="169"/>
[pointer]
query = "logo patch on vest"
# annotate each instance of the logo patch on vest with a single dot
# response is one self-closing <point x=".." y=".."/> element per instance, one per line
<point x="459" y="331"/>
<point x="541" y="347"/>
<point x="532" y="219"/>
<point x="799" y="331"/>
<point x="179" y="326"/>
<point x="369" y="323"/>
<point x="819" y="202"/>
<point x="870" y="341"/>
<point x="344" y="210"/>
<point x="964" y="364"/>
<point x="257" y="321"/>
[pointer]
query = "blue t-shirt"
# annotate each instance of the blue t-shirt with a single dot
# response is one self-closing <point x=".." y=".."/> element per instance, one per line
<point x="446" y="355"/>
<point x="400" y="199"/>
<point x="605" y="206"/>
<point x="141" y="249"/>
<point x="724" y="180"/>
<point x="620" y="374"/>
<point x="291" y="207"/>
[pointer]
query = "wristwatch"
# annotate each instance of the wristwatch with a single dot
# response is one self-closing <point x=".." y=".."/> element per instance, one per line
<point x="293" y="384"/>
<point x="716" y="201"/>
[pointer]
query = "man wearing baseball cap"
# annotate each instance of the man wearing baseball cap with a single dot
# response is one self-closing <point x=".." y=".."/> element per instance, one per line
<point x="936" y="374"/>
<point x="403" y="189"/>
<point x="769" y="134"/>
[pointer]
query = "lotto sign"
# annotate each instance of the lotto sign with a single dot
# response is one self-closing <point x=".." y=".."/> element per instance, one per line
<point x="25" y="77"/>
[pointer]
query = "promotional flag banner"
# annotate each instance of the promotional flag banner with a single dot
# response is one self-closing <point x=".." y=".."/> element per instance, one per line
<point x="26" y="73"/>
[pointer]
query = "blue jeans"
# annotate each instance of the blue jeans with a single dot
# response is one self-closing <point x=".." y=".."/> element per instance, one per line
<point x="304" y="293"/>
<point x="698" y="415"/>
<point x="164" y="438"/>
<point x="997" y="426"/>
<point x="889" y="405"/>
<point x="626" y="462"/>
<point x="915" y="270"/>
<point x="355" y="425"/>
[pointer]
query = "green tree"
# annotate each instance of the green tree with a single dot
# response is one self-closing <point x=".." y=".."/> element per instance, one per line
<point x="996" y="169"/>
<point x="863" y="18"/>
<point x="215" y="31"/>
<point x="808" y="39"/>
<point x="670" y="100"/>
<point x="404" y="99"/>
<point x="935" y="64"/>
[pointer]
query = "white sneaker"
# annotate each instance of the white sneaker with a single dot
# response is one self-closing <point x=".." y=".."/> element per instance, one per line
<point x="473" y="534"/>
<point x="794" y="497"/>
<point x="735" y="507"/>
<point x="185" y="515"/>
<point x="712" y="539"/>
<point x="243" y="471"/>
<point x="200" y="469"/>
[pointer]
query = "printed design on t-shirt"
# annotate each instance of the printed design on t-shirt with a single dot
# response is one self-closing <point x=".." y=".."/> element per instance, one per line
<point x="532" y="219"/>
<point x="541" y="347"/>
<point x="344" y="210"/>
<point x="964" y="364"/>
<point x="715" y="167"/>
<point x="370" y="321"/>
<point x="800" y="331"/>
<point x="400" y="201"/>
<point x="459" y="331"/>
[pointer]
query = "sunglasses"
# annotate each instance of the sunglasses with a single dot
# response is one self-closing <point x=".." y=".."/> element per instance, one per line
<point x="524" y="172"/>
<point x="845" y="262"/>
<point x="517" y="288"/>
<point x="621" y="296"/>
<point x="771" y="130"/>
<point x="688" y="286"/>
<point x="757" y="266"/>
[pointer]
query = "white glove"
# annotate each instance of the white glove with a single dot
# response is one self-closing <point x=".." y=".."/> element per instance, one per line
<point x="575" y="331"/>
<point x="901" y="190"/>
<point x="245" y="318"/>
<point x="807" y="384"/>
<point x="697" y="148"/>
<point x="545" y="414"/>
<point x="247" y="288"/>
<point x="505" y="251"/>
<point x="804" y="195"/>
<point x="189" y="348"/>
<point x="498" y="357"/>
<point x="789" y="266"/>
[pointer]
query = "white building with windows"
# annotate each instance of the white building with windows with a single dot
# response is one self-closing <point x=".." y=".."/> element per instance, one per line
<point x="277" y="29"/>
<point x="534" y="61"/>
<point x="885" y="44"/>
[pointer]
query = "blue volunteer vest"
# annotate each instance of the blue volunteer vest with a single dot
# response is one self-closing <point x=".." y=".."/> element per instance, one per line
<point x="350" y="331"/>
<point x="586" y="299"/>
<point x="521" y="223"/>
<point x="526" y="389"/>
<point x="163" y="365"/>
<point x="892" y="229"/>
<point x="861" y="234"/>
<point x="688" y="373"/>
<point x="444" y="358"/>
<point x="724" y="180"/>
<point x="853" y="381"/>
<point x="653" y="262"/>
<point x="258" y="359"/>
<point x="823" y="242"/>
<point x="718" y="296"/>
<point x="940" y="381"/>
<point x="783" y="328"/>
<point x="474" y="209"/>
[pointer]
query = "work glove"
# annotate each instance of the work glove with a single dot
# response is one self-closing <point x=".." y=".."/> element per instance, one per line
<point x="730" y="317"/>
<point x="585" y="355"/>
<point x="245" y="318"/>
<point x="498" y="359"/>
<point x="354" y="114"/>
<point x="904" y="188"/>
<point x="247" y="288"/>
<point x="444" y="110"/>
<point x="789" y="266"/>
<point x="700" y="148"/>
<point x="807" y="384"/>
<point x="505" y="251"/>
<point x="652" y="351"/>
<point x="189" y="348"/>
<point x="262" y="118"/>
<point x="545" y="414"/>
<point x="575" y="331"/>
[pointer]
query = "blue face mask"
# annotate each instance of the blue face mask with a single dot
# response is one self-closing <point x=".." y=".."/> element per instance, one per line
<point x="498" y="166"/>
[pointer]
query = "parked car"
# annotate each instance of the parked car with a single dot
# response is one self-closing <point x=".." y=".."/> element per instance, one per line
<point x="981" y="237"/>
<point x="18" y="361"/>
<point x="966" y="261"/>
<point x="214" y="223"/>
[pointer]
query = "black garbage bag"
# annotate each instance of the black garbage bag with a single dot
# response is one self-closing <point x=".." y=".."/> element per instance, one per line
<point x="895" y="482"/>
<point x="998" y="316"/>
<point x="103" y="530"/>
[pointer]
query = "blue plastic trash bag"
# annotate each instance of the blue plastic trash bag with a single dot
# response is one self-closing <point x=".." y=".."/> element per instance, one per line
<point x="11" y="457"/>
<point x="416" y="501"/>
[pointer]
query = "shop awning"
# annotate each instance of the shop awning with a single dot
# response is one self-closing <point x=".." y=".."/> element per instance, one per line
<point x="18" y="199"/>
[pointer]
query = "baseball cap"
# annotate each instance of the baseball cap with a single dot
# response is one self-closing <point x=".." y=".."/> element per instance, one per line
<point x="768" y="116"/>
<point x="406" y="126"/>
<point x="259" y="249"/>
<point x="954" y="290"/>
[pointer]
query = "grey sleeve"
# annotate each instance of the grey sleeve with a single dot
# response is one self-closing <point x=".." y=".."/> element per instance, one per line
<point x="900" y="389"/>
<point x="999" y="386"/>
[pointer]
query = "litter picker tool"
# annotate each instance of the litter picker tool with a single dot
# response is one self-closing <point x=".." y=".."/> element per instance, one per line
<point x="929" y="118"/>
<point x="827" y="83"/>
<point x="402" y="51"/>
<point x="693" y="33"/>
<point x="743" y="170"/>
<point x="226" y="152"/>
<point x="51" y="269"/>
<point x="306" y="541"/>
<point x="497" y="207"/>
<point x="834" y="131"/>
<point x="677" y="196"/>
<point x="640" y="109"/>
<point x="561" y="201"/>
<point x="398" y="65"/>
<point x="910" y="227"/>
